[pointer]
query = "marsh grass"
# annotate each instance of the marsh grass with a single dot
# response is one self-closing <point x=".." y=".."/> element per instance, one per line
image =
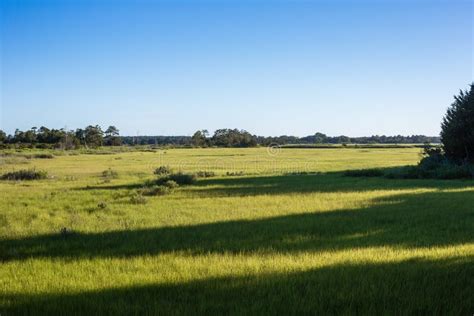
<point x="271" y="241"/>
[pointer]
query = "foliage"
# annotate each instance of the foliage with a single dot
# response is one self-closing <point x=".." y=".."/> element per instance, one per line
<point x="435" y="166"/>
<point x="199" y="139"/>
<point x="93" y="136"/>
<point x="41" y="156"/>
<point x="457" y="128"/>
<point x="233" y="138"/>
<point x="3" y="137"/>
<point x="235" y="173"/>
<point x="171" y="184"/>
<point x="137" y="198"/>
<point x="162" y="170"/>
<point x="112" y="136"/>
<point x="26" y="174"/>
<point x="109" y="174"/>
<point x="180" y="178"/>
<point x="155" y="190"/>
<point x="102" y="205"/>
<point x="205" y="174"/>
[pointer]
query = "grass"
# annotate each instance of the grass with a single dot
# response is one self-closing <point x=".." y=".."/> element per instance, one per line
<point x="288" y="233"/>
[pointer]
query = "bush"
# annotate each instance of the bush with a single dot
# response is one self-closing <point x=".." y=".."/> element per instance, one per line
<point x="205" y="174"/>
<point x="162" y="170"/>
<point x="155" y="190"/>
<point x="235" y="174"/>
<point x="179" y="178"/>
<point x="109" y="174"/>
<point x="138" y="198"/>
<point x="30" y="174"/>
<point x="171" y="184"/>
<point x="457" y="172"/>
<point x="40" y="156"/>
<point x="102" y="205"/>
<point x="182" y="178"/>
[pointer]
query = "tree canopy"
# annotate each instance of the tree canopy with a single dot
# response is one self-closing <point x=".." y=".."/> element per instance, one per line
<point x="457" y="128"/>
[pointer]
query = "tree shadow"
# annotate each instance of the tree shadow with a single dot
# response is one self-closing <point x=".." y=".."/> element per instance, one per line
<point x="430" y="219"/>
<point x="125" y="186"/>
<point x="296" y="184"/>
<point x="311" y="183"/>
<point x="408" y="287"/>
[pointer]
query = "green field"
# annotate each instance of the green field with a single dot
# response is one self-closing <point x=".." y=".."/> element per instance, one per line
<point x="277" y="231"/>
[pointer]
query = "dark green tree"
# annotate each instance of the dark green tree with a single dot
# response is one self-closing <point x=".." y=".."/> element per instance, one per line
<point x="320" y="138"/>
<point x="93" y="136"/>
<point x="457" y="128"/>
<point x="3" y="136"/>
<point x="199" y="138"/>
<point x="111" y="136"/>
<point x="233" y="138"/>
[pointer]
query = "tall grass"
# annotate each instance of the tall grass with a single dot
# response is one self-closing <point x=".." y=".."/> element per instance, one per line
<point x="288" y="236"/>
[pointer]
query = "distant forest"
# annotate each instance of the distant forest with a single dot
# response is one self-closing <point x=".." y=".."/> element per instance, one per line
<point x="95" y="136"/>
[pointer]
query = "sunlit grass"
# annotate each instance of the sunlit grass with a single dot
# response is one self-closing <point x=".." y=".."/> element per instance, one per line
<point x="291" y="235"/>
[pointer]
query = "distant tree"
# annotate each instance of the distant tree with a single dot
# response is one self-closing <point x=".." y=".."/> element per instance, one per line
<point x="68" y="140"/>
<point x="320" y="138"/>
<point x="93" y="136"/>
<point x="29" y="136"/>
<point x="80" y="135"/>
<point x="199" y="138"/>
<point x="343" y="139"/>
<point x="111" y="136"/>
<point x="233" y="138"/>
<point x="3" y="137"/>
<point x="457" y="128"/>
<point x="111" y="131"/>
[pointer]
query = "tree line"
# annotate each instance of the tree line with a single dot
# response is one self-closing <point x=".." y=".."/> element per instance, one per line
<point x="94" y="136"/>
<point x="43" y="137"/>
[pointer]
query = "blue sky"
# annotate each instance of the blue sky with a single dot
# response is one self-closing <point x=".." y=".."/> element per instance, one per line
<point x="271" y="67"/>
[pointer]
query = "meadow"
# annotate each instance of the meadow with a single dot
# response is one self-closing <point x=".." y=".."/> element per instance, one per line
<point x="275" y="231"/>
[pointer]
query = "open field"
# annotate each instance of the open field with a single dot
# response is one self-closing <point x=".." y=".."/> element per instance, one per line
<point x="276" y="231"/>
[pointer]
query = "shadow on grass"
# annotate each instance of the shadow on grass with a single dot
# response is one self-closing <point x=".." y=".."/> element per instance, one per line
<point x="410" y="287"/>
<point x="310" y="183"/>
<point x="405" y="220"/>
<point x="297" y="183"/>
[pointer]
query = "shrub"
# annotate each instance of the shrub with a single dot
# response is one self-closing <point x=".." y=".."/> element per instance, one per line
<point x="162" y="170"/>
<point x="109" y="174"/>
<point x="137" y="198"/>
<point x="234" y="174"/>
<point x="453" y="171"/>
<point x="433" y="158"/>
<point x="39" y="156"/>
<point x="155" y="190"/>
<point x="30" y="174"/>
<point x="205" y="174"/>
<point x="171" y="184"/>
<point x="182" y="178"/>
<point x="102" y="205"/>
<point x="179" y="178"/>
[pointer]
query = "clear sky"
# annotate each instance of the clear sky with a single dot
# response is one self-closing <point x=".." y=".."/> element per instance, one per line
<point x="271" y="67"/>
